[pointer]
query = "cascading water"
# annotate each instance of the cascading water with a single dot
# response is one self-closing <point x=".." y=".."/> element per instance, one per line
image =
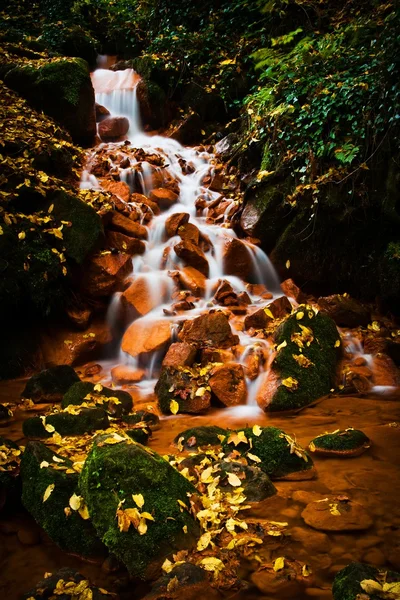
<point x="152" y="270"/>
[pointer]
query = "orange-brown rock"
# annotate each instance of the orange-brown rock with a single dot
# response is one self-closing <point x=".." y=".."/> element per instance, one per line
<point x="286" y="583"/>
<point x="163" y="197"/>
<point x="145" y="335"/>
<point x="237" y="259"/>
<point x="256" y="320"/>
<point x="124" y="225"/>
<point x="228" y="385"/>
<point x="105" y="273"/>
<point x="80" y="317"/>
<point x="124" y="375"/>
<point x="192" y="256"/>
<point x="254" y="362"/>
<point x="268" y="388"/>
<point x="216" y="355"/>
<point x="384" y="371"/>
<point x="119" y="188"/>
<point x="101" y="112"/>
<point x="141" y="297"/>
<point x="211" y="329"/>
<point x="192" y="280"/>
<point x="153" y="177"/>
<point x="173" y="223"/>
<point x="290" y="289"/>
<point x="180" y="354"/>
<point x="124" y="243"/>
<point x="280" y="308"/>
<point x="113" y="128"/>
<point x="352" y="515"/>
<point x="190" y="233"/>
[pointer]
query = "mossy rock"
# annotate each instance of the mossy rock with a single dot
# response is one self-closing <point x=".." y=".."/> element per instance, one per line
<point x="256" y="484"/>
<point x="346" y="585"/>
<point x="184" y="389"/>
<point x="281" y="457"/>
<point x="112" y="473"/>
<point x="5" y="415"/>
<point x="142" y="416"/>
<point x="64" y="423"/>
<point x="45" y="589"/>
<point x="196" y="437"/>
<point x="342" y="443"/>
<point x="119" y="402"/>
<point x="190" y="581"/>
<point x="50" y="385"/>
<point x="307" y="361"/>
<point x="139" y="434"/>
<point x="10" y="464"/>
<point x="69" y="531"/>
<point x="62" y="88"/>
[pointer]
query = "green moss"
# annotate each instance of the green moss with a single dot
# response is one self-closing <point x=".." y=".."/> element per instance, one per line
<point x="274" y="447"/>
<point x="72" y="533"/>
<point x="183" y="386"/>
<point x="139" y="434"/>
<point x="317" y="344"/>
<point x="348" y="439"/>
<point x="50" y="385"/>
<point x="201" y="436"/>
<point x="89" y="419"/>
<point x="346" y="585"/>
<point x="77" y="393"/>
<point x="111" y="474"/>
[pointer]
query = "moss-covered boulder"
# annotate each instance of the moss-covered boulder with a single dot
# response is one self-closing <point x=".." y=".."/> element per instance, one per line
<point x="114" y="402"/>
<point x="50" y="385"/>
<point x="138" y="503"/>
<point x="62" y="88"/>
<point x="196" y="437"/>
<point x="342" y="443"/>
<point x="179" y="390"/>
<point x="69" y="421"/>
<point x="256" y="484"/>
<point x="139" y="434"/>
<point x="49" y="491"/>
<point x="70" y="40"/>
<point x="359" y="580"/>
<point x="305" y="364"/>
<point x="65" y="584"/>
<point x="142" y="417"/>
<point x="280" y="455"/>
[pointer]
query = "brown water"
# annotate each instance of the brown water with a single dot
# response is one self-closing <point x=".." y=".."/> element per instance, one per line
<point x="371" y="479"/>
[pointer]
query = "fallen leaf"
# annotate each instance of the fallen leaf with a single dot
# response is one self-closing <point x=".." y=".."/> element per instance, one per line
<point x="48" y="492"/>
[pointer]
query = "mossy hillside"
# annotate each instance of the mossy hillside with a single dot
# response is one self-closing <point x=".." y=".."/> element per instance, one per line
<point x="111" y="474"/>
<point x="65" y="423"/>
<point x="346" y="585"/>
<point x="81" y="392"/>
<point x="196" y="437"/>
<point x="279" y="453"/>
<point x="315" y="339"/>
<point x="348" y="439"/>
<point x="70" y="531"/>
<point x="50" y="384"/>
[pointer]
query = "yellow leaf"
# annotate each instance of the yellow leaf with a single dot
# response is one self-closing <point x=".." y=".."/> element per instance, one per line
<point x="201" y="391"/>
<point x="337" y="343"/>
<point x="75" y="502"/>
<point x="306" y="571"/>
<point x="288" y="264"/>
<point x="370" y="586"/>
<point x="173" y="407"/>
<point x="98" y="387"/>
<point x="138" y="500"/>
<point x="299" y="315"/>
<point x="1" y="230"/>
<point x="51" y="208"/>
<point x="142" y="527"/>
<point x="333" y="509"/>
<point x="311" y="446"/>
<point x="204" y="541"/>
<point x="44" y="464"/>
<point x="291" y="383"/>
<point x="221" y="438"/>
<point x="253" y="457"/>
<point x="21" y="235"/>
<point x="282" y="345"/>
<point x="279" y="564"/>
<point x="268" y="313"/>
<point x="234" y="480"/>
<point x="257" y="431"/>
<point x="84" y="512"/>
<point x="147" y="515"/>
<point x="237" y="437"/>
<point x="228" y="61"/>
<point x="48" y="492"/>
<point x="210" y="563"/>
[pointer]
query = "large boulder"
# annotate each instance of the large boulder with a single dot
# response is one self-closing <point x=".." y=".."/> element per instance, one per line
<point x="105" y="274"/>
<point x="193" y="256"/>
<point x="114" y="402"/>
<point x="152" y="103"/>
<point x="182" y="390"/>
<point x="304" y="366"/>
<point x="228" y="384"/>
<point x="145" y="336"/>
<point x="138" y="503"/>
<point x="344" y="310"/>
<point x="113" y="128"/>
<point x="359" y="580"/>
<point x="69" y="421"/>
<point x="50" y="385"/>
<point x="209" y="330"/>
<point x="237" y="259"/>
<point x="340" y="443"/>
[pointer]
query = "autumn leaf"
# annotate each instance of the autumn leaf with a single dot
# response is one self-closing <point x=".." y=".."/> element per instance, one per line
<point x="48" y="491"/>
<point x="257" y="431"/>
<point x="174" y="407"/>
<point x="138" y="500"/>
<point x="279" y="564"/>
<point x="204" y="541"/>
<point x="237" y="437"/>
<point x="234" y="480"/>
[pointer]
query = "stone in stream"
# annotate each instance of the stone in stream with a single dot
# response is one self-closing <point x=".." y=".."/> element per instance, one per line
<point x="114" y="402"/>
<point x="180" y="354"/>
<point x="191" y="279"/>
<point x="126" y="226"/>
<point x="338" y="514"/>
<point x="237" y="259"/>
<point x="138" y="504"/>
<point x="105" y="274"/>
<point x="124" y="243"/>
<point x="344" y="310"/>
<point x="145" y="336"/>
<point x="50" y="494"/>
<point x="118" y="188"/>
<point x="188" y="232"/>
<point x="291" y="290"/>
<point x="173" y="223"/>
<point x="163" y="197"/>
<point x="101" y="112"/>
<point x="182" y="390"/>
<point x="358" y="581"/>
<point x="228" y="384"/>
<point x="123" y="374"/>
<point x="284" y="578"/>
<point x="211" y="329"/>
<point x="66" y="584"/>
<point x="305" y="364"/>
<point x="113" y="128"/>
<point x="196" y="437"/>
<point x="192" y="256"/>
<point x="142" y="417"/>
<point x="70" y="421"/>
<point x="340" y="443"/>
<point x="50" y="385"/>
<point x="139" y="434"/>
<point x="185" y="582"/>
<point x="279" y="454"/>
<point x="6" y="415"/>
<point x="262" y="317"/>
<point x="141" y="297"/>
<point x="256" y="484"/>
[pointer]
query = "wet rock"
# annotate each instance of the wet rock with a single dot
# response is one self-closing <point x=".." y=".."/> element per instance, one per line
<point x="105" y="273"/>
<point x="67" y="583"/>
<point x="5" y="415"/>
<point x="112" y="475"/>
<point x="173" y="223"/>
<point x="101" y="112"/>
<point x="10" y="457"/>
<point x="139" y="434"/>
<point x="113" y="128"/>
<point x="141" y="295"/>
<point x="228" y="384"/>
<point x="178" y="391"/>
<point x="164" y="198"/>
<point x="180" y="354"/>
<point x="343" y="444"/>
<point x="281" y="457"/>
<point x="211" y="329"/>
<point x="79" y="316"/>
<point x="313" y="541"/>
<point x="189" y="233"/>
<point x="192" y="256"/>
<point x="285" y="582"/>
<point x="358" y="379"/>
<point x="256" y="320"/>
<point x="279" y="308"/>
<point x="124" y="243"/>
<point x="92" y="370"/>
<point x="145" y="336"/>
<point x="344" y="310"/>
<point x="84" y="420"/>
<point x="119" y="188"/>
<point x="114" y="402"/>
<point x="192" y="280"/>
<point x="126" y="226"/>
<point x="47" y="488"/>
<point x="50" y="385"/>
<point x="142" y="417"/>
<point x="237" y="259"/>
<point x="254" y="362"/>
<point x="305" y="364"/>
<point x="123" y="375"/>
<point x="256" y="484"/>
<point x="152" y="103"/>
<point x="347" y="583"/>
<point x="384" y="371"/>
<point x="340" y="514"/>
<point x="186" y="581"/>
<point x="196" y="437"/>
<point x="225" y="148"/>
<point x="290" y="289"/>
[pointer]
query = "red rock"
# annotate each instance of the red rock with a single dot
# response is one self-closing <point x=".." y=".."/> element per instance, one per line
<point x="124" y="375"/>
<point x="164" y="198"/>
<point x="180" y="354"/>
<point x="237" y="259"/>
<point x="211" y="329"/>
<point x="268" y="387"/>
<point x="190" y="233"/>
<point x="145" y="336"/>
<point x="192" y="280"/>
<point x="80" y="317"/>
<point x="217" y="183"/>
<point x="254" y="361"/>
<point x="256" y="320"/>
<point x="119" y="188"/>
<point x="374" y="344"/>
<point x="290" y="289"/>
<point x="105" y="273"/>
<point x="124" y="225"/>
<point x="101" y="112"/>
<point x="344" y="310"/>
<point x="286" y="583"/>
<point x="124" y="243"/>
<point x="173" y="223"/>
<point x="280" y="308"/>
<point x="92" y="370"/>
<point x="227" y="383"/>
<point x="192" y="256"/>
<point x="216" y="355"/>
<point x="113" y="128"/>
<point x="384" y="371"/>
<point x="140" y="297"/>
